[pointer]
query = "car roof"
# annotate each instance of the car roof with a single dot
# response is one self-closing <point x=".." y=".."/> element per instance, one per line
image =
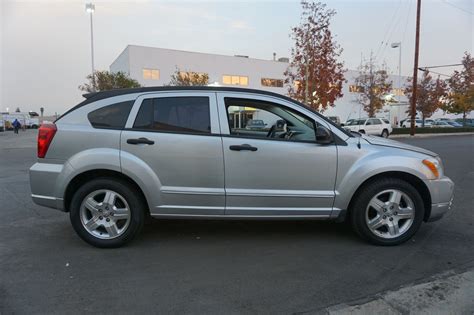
<point x="96" y="96"/>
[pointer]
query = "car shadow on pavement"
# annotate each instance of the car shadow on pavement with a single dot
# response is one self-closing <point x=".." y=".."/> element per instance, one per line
<point x="218" y="230"/>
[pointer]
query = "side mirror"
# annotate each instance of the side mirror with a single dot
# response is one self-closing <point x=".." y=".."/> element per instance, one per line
<point x="342" y="124"/>
<point x="323" y="135"/>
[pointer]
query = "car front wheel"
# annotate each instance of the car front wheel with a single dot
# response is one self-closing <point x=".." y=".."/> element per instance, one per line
<point x="107" y="213"/>
<point x="387" y="212"/>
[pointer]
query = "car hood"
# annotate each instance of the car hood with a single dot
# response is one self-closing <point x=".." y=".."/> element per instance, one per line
<point x="396" y="144"/>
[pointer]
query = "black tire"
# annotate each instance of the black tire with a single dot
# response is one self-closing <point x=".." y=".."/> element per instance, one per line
<point x="385" y="133"/>
<point x="371" y="189"/>
<point x="362" y="131"/>
<point x="129" y="193"/>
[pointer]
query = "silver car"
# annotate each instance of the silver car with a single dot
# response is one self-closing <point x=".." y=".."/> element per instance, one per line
<point x="168" y="152"/>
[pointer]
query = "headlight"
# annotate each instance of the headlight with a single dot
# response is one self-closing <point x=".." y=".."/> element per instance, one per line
<point x="435" y="167"/>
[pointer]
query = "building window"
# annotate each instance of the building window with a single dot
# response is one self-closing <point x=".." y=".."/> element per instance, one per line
<point x="151" y="74"/>
<point x="272" y="82"/>
<point x="235" y="80"/>
<point x="355" y="89"/>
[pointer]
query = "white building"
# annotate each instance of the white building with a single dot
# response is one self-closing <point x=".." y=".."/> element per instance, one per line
<point x="154" y="66"/>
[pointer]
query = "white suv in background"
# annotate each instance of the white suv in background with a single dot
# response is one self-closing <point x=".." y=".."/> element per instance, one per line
<point x="370" y="126"/>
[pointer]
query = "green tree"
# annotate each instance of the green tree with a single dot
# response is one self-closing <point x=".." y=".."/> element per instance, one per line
<point x="460" y="98"/>
<point x="315" y="76"/>
<point x="429" y="96"/>
<point x="105" y="80"/>
<point x="372" y="86"/>
<point x="187" y="78"/>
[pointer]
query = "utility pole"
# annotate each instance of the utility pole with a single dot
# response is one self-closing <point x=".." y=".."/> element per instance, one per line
<point x="415" y="70"/>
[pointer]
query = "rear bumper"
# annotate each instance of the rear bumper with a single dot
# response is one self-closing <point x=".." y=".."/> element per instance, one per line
<point x="48" y="201"/>
<point x="44" y="185"/>
<point x="442" y="195"/>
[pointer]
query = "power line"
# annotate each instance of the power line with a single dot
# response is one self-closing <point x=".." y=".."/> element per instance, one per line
<point x="406" y="22"/>
<point x="459" y="8"/>
<point x="424" y="69"/>
<point x="443" y="66"/>
<point x="394" y="28"/>
<point x="389" y="26"/>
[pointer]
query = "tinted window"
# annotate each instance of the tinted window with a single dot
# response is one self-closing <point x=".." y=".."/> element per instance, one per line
<point x="179" y="114"/>
<point x="112" y="116"/>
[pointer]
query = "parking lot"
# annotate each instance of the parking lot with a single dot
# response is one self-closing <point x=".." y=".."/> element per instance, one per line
<point x="216" y="267"/>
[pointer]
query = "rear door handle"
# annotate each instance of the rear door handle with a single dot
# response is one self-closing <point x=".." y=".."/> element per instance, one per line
<point x="140" y="141"/>
<point x="243" y="147"/>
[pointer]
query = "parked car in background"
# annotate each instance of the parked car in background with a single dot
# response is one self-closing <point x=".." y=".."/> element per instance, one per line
<point x="335" y="119"/>
<point x="455" y="124"/>
<point x="345" y="123"/>
<point x="370" y="126"/>
<point x="443" y="119"/>
<point x="441" y="124"/>
<point x="407" y="123"/>
<point x="170" y="152"/>
<point x="469" y="121"/>
<point x="254" y="124"/>
<point x="429" y="122"/>
<point x="2" y="124"/>
<point x="24" y="118"/>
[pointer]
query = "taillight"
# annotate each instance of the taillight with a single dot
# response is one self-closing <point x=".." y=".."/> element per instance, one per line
<point x="46" y="133"/>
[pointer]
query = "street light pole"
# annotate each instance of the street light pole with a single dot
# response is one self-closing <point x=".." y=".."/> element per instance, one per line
<point x="399" y="97"/>
<point x="90" y="8"/>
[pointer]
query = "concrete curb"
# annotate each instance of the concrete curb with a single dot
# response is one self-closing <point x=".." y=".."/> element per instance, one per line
<point x="446" y="294"/>
<point x="428" y="135"/>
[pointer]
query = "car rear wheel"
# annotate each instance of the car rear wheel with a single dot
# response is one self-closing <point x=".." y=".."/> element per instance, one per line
<point x="387" y="212"/>
<point x="106" y="212"/>
<point x="385" y="133"/>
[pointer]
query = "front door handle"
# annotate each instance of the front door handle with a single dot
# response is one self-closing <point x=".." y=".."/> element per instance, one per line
<point x="243" y="147"/>
<point x="140" y="141"/>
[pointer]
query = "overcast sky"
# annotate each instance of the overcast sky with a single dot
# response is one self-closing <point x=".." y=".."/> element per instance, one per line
<point x="45" y="45"/>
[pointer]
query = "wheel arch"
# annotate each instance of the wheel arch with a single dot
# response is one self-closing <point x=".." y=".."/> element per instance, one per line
<point x="88" y="175"/>
<point x="415" y="181"/>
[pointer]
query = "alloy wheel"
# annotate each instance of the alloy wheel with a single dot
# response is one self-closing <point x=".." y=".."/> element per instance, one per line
<point x="105" y="214"/>
<point x="390" y="214"/>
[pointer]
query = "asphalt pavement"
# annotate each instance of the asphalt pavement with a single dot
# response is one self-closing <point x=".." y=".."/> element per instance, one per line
<point x="215" y="267"/>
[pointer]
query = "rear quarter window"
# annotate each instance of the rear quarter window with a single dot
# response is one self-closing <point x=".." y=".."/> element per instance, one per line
<point x="184" y="114"/>
<point x="112" y="116"/>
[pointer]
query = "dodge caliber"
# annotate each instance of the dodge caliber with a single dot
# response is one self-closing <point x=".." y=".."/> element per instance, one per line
<point x="167" y="152"/>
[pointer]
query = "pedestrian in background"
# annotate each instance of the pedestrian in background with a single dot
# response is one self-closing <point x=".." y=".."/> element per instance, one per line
<point x="16" y="125"/>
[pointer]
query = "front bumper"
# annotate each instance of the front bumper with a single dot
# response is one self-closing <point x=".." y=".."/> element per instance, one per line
<point x="442" y="195"/>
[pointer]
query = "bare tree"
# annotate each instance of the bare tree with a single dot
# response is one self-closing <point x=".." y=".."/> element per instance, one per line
<point x="372" y="86"/>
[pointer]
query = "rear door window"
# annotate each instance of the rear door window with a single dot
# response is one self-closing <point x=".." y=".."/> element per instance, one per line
<point x="112" y="116"/>
<point x="175" y="114"/>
